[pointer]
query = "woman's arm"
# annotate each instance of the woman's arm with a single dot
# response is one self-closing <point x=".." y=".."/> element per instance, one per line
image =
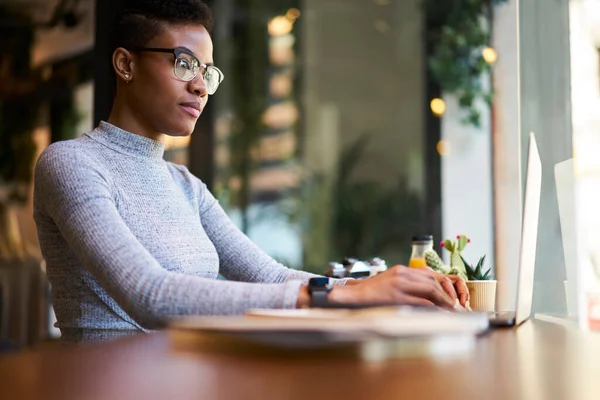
<point x="78" y="199"/>
<point x="240" y="258"/>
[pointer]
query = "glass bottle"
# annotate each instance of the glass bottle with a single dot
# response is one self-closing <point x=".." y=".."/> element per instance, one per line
<point x="420" y="244"/>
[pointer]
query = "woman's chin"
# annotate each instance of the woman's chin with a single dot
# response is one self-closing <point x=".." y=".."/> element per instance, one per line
<point x="181" y="131"/>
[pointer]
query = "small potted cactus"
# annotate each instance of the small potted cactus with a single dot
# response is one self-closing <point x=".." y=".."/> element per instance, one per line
<point x="482" y="288"/>
<point x="457" y="266"/>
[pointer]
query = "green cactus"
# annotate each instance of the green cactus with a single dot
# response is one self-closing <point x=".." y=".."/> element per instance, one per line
<point x="456" y="260"/>
<point x="434" y="262"/>
<point x="454" y="271"/>
<point x="455" y="248"/>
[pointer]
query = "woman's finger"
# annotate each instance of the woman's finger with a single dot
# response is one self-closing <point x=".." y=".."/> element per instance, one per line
<point x="431" y="291"/>
<point x="462" y="290"/>
<point x="445" y="281"/>
<point x="448" y="287"/>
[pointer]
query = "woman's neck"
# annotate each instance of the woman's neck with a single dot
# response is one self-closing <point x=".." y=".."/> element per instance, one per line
<point x="123" y="117"/>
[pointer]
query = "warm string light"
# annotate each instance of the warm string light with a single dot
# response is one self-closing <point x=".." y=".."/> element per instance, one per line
<point x="443" y="148"/>
<point x="438" y="107"/>
<point x="280" y="26"/>
<point x="283" y="24"/>
<point x="489" y="55"/>
<point x="293" y="14"/>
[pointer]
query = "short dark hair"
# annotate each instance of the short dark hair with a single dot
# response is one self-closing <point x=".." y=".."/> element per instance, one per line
<point x="142" y="20"/>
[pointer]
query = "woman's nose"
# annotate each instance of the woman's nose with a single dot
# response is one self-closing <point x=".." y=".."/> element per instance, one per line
<point x="198" y="86"/>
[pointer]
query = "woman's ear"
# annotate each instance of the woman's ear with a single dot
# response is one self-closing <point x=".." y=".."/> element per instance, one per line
<point x="123" y="64"/>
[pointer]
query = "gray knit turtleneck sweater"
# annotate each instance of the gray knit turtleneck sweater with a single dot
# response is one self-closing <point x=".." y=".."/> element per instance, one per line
<point x="131" y="240"/>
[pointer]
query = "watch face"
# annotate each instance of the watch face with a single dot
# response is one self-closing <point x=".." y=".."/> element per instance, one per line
<point x="318" y="282"/>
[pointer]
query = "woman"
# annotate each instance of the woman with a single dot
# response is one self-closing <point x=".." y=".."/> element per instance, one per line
<point x="131" y="240"/>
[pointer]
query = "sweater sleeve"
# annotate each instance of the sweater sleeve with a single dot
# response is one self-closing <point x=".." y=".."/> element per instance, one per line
<point x="240" y="258"/>
<point x="77" y="197"/>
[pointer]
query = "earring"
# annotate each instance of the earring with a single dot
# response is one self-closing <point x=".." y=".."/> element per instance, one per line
<point x="127" y="78"/>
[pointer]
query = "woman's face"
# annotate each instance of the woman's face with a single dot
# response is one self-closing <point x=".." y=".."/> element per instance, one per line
<point x="160" y="101"/>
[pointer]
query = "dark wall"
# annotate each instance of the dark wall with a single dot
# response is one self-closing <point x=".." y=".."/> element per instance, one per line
<point x="104" y="86"/>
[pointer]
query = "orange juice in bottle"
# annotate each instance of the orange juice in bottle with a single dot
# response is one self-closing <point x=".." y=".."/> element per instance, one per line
<point x="420" y="244"/>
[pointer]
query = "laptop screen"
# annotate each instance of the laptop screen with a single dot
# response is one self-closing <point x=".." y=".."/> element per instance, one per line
<point x="531" y="211"/>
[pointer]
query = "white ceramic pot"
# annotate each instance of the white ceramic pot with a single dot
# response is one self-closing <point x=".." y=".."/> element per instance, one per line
<point x="483" y="295"/>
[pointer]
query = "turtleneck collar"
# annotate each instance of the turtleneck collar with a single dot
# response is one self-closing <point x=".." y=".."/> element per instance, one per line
<point x="126" y="142"/>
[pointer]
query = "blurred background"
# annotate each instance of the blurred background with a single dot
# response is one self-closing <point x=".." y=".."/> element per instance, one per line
<point x="342" y="128"/>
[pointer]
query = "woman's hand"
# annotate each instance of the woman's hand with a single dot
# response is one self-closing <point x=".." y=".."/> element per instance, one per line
<point x="398" y="285"/>
<point x="454" y="285"/>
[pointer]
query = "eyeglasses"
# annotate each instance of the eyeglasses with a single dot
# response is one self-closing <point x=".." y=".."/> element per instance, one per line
<point x="187" y="66"/>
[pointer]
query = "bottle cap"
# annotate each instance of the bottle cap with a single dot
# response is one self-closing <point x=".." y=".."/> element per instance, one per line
<point x="422" y="238"/>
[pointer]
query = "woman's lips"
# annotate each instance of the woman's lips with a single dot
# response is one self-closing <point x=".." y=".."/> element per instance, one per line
<point x="191" y="108"/>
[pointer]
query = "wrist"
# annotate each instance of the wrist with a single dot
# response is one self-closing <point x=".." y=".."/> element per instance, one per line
<point x="303" y="297"/>
<point x="342" y="295"/>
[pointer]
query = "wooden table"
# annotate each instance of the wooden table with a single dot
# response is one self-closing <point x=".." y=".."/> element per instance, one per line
<point x="539" y="360"/>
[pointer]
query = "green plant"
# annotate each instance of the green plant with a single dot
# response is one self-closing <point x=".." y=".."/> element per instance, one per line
<point x="455" y="248"/>
<point x="457" y="33"/>
<point x="477" y="273"/>
<point x="433" y="261"/>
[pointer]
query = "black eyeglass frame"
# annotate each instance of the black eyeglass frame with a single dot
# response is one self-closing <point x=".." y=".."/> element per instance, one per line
<point x="176" y="53"/>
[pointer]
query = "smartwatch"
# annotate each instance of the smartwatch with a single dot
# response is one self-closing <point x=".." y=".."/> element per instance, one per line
<point x="319" y="289"/>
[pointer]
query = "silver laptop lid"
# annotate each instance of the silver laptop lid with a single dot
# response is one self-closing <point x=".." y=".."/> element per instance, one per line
<point x="531" y="212"/>
<point x="564" y="175"/>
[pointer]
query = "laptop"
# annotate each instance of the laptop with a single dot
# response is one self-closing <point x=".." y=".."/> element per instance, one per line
<point x="564" y="175"/>
<point x="529" y="231"/>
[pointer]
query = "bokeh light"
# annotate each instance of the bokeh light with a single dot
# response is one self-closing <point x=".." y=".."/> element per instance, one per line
<point x="438" y="107"/>
<point x="489" y="55"/>
<point x="443" y="148"/>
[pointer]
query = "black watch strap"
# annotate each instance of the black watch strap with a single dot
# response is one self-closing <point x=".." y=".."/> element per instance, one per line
<point x="319" y="289"/>
<point x="319" y="297"/>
